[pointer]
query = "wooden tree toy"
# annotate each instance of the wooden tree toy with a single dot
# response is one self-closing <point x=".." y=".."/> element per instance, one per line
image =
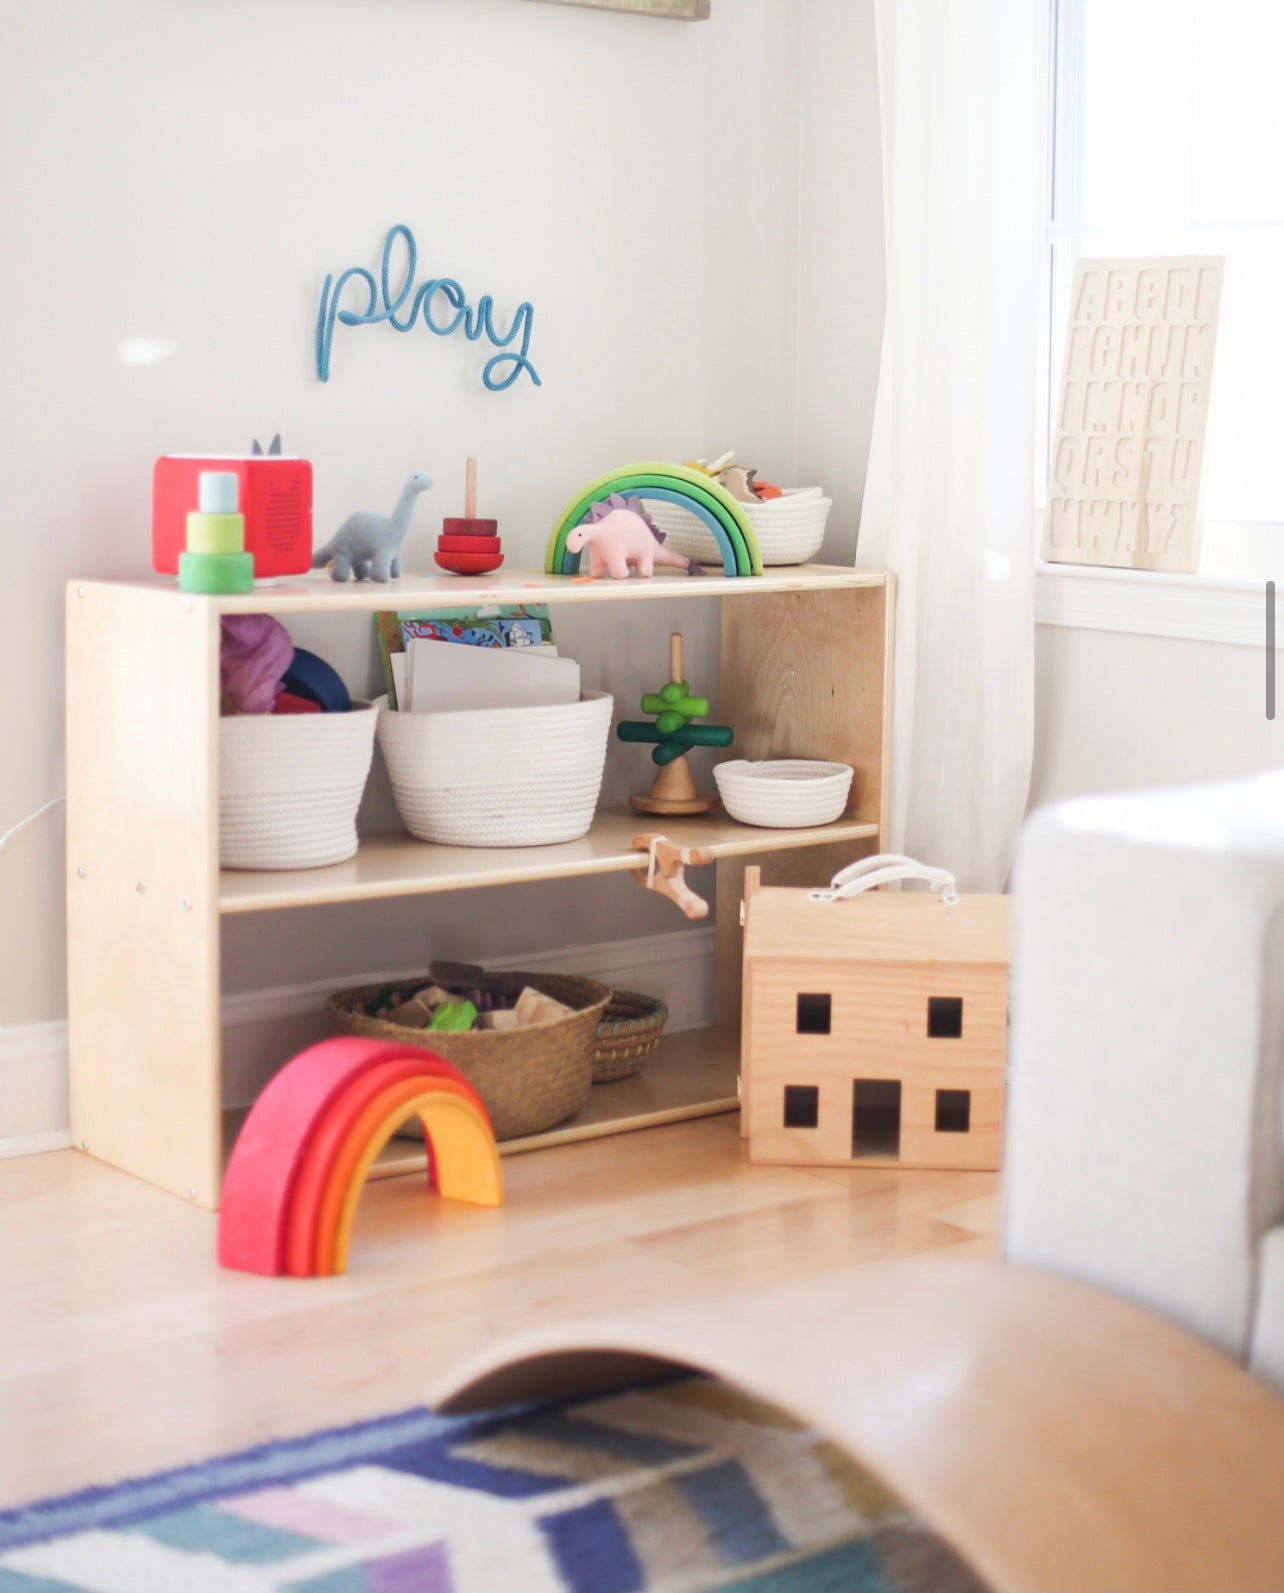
<point x="673" y="790"/>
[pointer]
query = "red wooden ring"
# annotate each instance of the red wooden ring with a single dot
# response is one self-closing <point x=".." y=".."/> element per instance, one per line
<point x="469" y="563"/>
<point x="460" y="527"/>
<point x="474" y="545"/>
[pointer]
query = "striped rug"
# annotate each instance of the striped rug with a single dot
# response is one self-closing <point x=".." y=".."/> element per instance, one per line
<point x="681" y="1487"/>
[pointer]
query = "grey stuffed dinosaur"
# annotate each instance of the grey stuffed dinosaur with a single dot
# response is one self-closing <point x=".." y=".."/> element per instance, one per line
<point x="367" y="545"/>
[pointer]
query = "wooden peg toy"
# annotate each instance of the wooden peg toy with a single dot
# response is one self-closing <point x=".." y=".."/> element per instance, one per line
<point x="673" y="791"/>
<point x="666" y="870"/>
<point x="467" y="545"/>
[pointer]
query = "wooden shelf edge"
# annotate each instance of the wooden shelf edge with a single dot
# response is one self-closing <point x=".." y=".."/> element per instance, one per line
<point x="317" y="593"/>
<point x="398" y="865"/>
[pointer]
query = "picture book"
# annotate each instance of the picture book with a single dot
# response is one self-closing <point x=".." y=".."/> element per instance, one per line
<point x="517" y="625"/>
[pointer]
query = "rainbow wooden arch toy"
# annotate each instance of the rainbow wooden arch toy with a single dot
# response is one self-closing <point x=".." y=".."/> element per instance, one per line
<point x="299" y="1163"/>
<point x="691" y="489"/>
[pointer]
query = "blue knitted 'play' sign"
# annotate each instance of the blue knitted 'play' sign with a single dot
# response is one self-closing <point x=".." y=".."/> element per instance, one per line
<point x="456" y="312"/>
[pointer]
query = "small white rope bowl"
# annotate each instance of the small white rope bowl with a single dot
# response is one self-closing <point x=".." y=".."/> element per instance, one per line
<point x="498" y="776"/>
<point x="290" y="786"/>
<point x="783" y="793"/>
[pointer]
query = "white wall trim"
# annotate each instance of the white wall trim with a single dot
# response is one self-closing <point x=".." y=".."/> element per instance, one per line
<point x="1205" y="608"/>
<point x="33" y="1087"/>
<point x="35" y="1144"/>
<point x="263" y="1027"/>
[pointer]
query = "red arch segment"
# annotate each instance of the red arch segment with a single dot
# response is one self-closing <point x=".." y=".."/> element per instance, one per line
<point x="263" y="1170"/>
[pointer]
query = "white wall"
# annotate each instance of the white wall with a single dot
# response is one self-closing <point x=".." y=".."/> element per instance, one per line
<point x="1115" y="712"/>
<point x="840" y="258"/>
<point x="192" y="171"/>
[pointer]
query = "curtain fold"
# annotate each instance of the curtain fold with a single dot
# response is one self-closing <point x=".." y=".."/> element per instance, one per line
<point x="949" y="498"/>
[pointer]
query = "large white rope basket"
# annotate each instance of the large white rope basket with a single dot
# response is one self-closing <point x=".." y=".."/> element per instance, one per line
<point x="498" y="776"/>
<point x="290" y="786"/>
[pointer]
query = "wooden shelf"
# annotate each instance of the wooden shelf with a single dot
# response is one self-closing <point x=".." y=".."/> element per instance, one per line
<point x="310" y="593"/>
<point x="805" y="671"/>
<point x="692" y="1074"/>
<point x="398" y="865"/>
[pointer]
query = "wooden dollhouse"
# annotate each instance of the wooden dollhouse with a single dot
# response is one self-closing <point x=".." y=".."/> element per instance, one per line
<point x="875" y="1028"/>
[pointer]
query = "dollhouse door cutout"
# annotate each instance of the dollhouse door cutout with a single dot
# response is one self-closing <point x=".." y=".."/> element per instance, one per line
<point x="876" y="1118"/>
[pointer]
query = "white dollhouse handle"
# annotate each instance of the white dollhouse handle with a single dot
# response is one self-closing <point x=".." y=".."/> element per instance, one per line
<point x="884" y="869"/>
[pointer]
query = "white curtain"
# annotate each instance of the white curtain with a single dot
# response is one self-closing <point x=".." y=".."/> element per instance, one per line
<point x="949" y="500"/>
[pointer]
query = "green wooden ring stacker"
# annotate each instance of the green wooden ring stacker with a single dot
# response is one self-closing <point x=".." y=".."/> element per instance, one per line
<point x="215" y="533"/>
<point x="730" y="544"/>
<point x="216" y="574"/>
<point x="664" y="481"/>
<point x="692" y="484"/>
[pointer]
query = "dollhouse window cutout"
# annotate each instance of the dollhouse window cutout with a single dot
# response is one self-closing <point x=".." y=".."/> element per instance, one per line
<point x="802" y="1105"/>
<point x="953" y="1111"/>
<point x="945" y="1017"/>
<point x="876" y="1117"/>
<point x="813" y="1014"/>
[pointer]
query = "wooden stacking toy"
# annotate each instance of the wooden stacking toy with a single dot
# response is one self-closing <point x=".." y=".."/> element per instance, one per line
<point x="216" y="561"/>
<point x="673" y="790"/>
<point x="467" y="545"/>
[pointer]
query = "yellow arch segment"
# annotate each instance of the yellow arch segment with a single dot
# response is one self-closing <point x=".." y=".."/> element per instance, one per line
<point x="465" y="1162"/>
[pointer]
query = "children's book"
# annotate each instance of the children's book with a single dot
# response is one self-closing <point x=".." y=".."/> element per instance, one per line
<point x="450" y="679"/>
<point x="520" y="625"/>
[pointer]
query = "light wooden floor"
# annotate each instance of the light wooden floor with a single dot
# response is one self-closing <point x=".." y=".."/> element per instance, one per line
<point x="124" y="1348"/>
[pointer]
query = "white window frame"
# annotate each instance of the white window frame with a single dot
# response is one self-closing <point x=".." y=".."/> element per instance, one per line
<point x="1224" y="601"/>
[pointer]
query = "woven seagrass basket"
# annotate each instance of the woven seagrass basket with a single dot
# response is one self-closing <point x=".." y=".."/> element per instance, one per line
<point x="629" y="1031"/>
<point x="529" y="1078"/>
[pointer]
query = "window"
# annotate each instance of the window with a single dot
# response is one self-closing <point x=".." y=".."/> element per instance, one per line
<point x="944" y="1017"/>
<point x="1168" y="139"/>
<point x="802" y="1105"/>
<point x="876" y="1117"/>
<point x="953" y="1111"/>
<point x="813" y="1015"/>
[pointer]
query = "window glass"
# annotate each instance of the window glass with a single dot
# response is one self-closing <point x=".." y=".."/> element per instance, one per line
<point x="1168" y="138"/>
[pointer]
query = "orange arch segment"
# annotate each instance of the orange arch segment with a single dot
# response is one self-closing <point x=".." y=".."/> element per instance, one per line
<point x="461" y="1147"/>
<point x="331" y="1132"/>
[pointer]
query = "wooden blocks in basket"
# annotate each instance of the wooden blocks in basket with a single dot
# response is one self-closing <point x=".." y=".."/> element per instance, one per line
<point x="529" y="1078"/>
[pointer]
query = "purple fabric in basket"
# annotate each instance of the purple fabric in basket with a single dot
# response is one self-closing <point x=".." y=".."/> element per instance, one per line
<point x="255" y="651"/>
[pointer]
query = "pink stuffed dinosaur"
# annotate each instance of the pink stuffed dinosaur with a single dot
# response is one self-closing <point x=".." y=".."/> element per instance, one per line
<point x="619" y="533"/>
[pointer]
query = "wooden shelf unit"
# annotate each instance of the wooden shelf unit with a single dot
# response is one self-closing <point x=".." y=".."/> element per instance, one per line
<point x="805" y="664"/>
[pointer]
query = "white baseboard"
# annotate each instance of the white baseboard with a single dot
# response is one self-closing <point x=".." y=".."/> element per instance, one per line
<point x="35" y="1144"/>
<point x="33" y="1086"/>
<point x="264" y="1027"/>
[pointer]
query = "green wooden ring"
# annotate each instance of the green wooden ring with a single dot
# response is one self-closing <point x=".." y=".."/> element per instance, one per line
<point x="735" y="560"/>
<point x="703" y="489"/>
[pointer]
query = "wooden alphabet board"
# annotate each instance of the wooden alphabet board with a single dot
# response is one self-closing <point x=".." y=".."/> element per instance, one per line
<point x="1129" y="441"/>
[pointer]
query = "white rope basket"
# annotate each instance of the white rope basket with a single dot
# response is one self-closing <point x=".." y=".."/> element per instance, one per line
<point x="790" y="529"/>
<point x="783" y="793"/>
<point x="290" y="786"/>
<point x="498" y="776"/>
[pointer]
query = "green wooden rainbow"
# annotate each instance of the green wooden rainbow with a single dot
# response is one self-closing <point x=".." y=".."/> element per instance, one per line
<point x="692" y="489"/>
